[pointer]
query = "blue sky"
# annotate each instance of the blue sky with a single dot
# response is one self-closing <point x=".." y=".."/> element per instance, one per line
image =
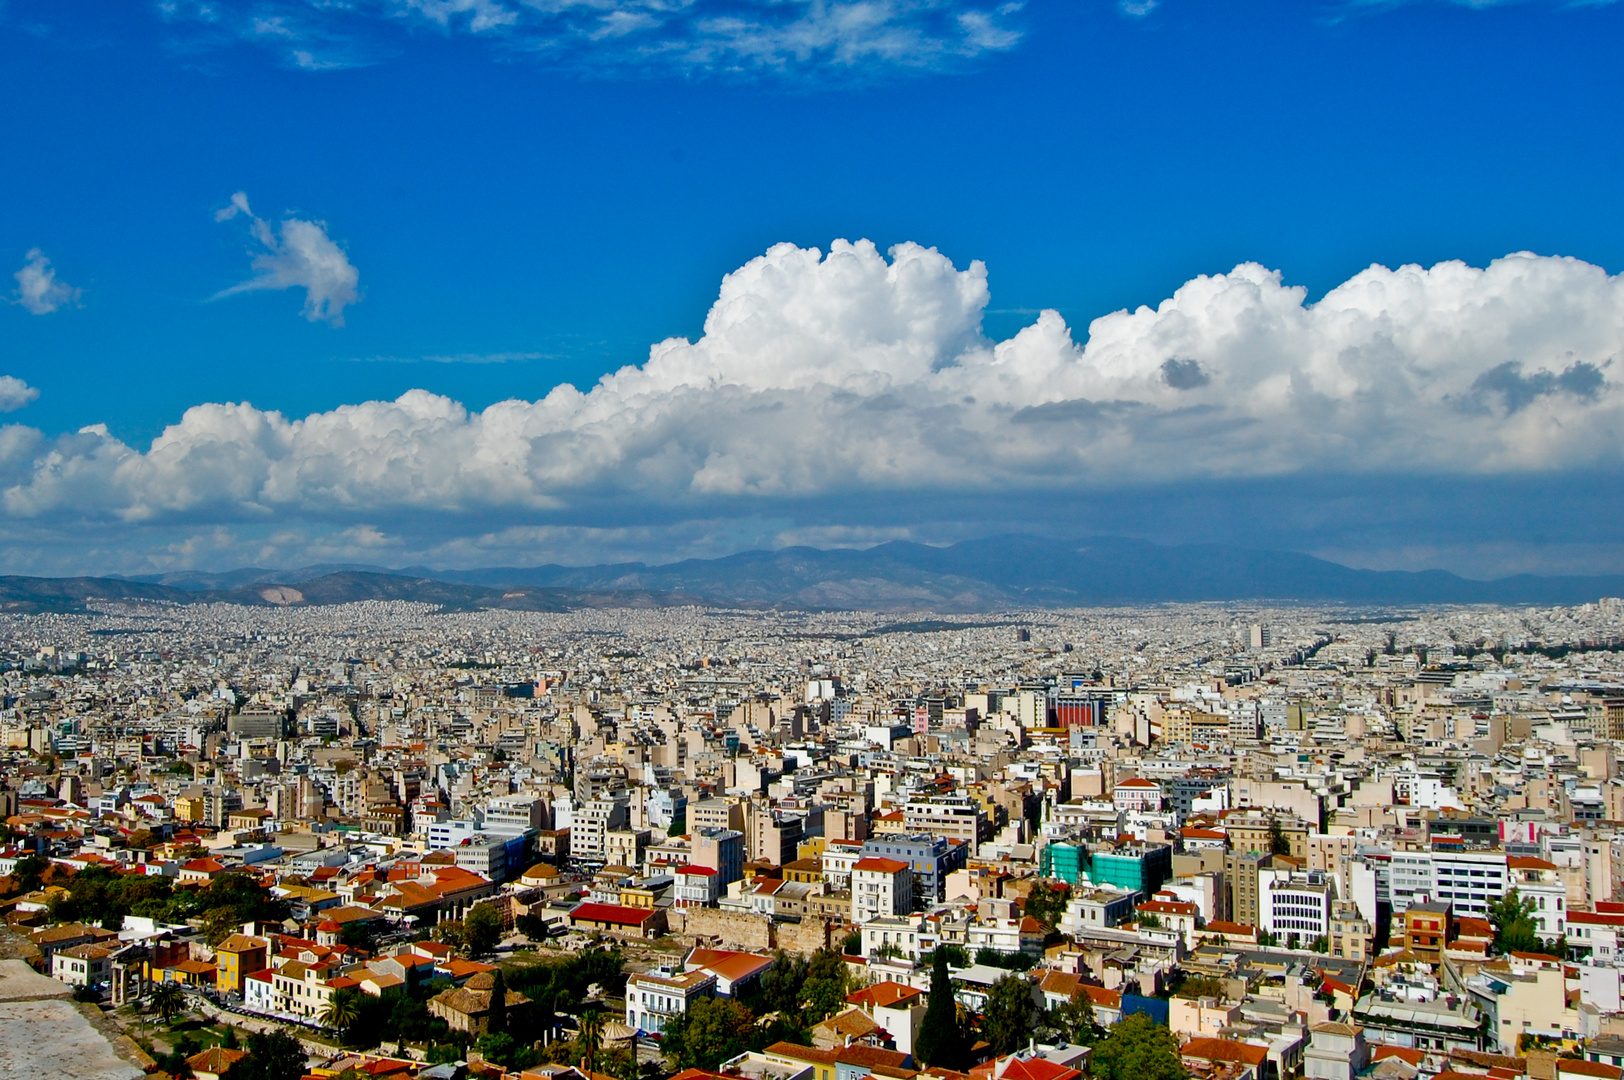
<point x="520" y="196"/>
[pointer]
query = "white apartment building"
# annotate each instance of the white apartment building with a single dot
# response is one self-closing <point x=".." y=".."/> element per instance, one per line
<point x="696" y="886"/>
<point x="1601" y="933"/>
<point x="593" y="822"/>
<point x="655" y="998"/>
<point x="1469" y="880"/>
<point x="911" y="936"/>
<point x="508" y="816"/>
<point x="956" y="817"/>
<point x="880" y="887"/>
<point x="1295" y="905"/>
<point x="446" y="834"/>
<point x="839" y="856"/>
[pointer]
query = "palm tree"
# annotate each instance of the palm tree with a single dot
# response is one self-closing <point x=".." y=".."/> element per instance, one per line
<point x="343" y="1010"/>
<point x="168" y="999"/>
<point x="591" y="1037"/>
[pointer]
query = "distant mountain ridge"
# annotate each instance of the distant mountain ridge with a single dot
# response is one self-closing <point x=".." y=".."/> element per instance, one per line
<point x="31" y="595"/>
<point x="996" y="573"/>
<point x="1028" y="571"/>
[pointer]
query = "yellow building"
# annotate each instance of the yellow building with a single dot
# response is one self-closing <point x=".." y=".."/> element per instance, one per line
<point x="809" y="871"/>
<point x="189" y="808"/>
<point x="237" y="957"/>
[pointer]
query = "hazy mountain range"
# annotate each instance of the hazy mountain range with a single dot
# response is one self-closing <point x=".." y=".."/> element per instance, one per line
<point x="977" y="575"/>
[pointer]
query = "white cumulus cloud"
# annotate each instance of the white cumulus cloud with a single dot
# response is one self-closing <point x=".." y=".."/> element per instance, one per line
<point x="848" y="373"/>
<point x="39" y="291"/>
<point x="15" y="393"/>
<point x="297" y="254"/>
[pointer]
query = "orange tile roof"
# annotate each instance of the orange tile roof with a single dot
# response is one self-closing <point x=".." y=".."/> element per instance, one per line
<point x="884" y="995"/>
<point x="1210" y="1049"/>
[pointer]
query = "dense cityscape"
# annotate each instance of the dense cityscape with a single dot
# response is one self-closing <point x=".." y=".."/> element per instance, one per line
<point x="1238" y="842"/>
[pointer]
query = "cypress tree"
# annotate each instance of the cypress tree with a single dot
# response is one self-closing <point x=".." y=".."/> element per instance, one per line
<point x="939" y="1042"/>
<point x="498" y="1013"/>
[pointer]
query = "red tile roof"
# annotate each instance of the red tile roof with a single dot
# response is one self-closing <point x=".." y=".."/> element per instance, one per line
<point x="618" y="914"/>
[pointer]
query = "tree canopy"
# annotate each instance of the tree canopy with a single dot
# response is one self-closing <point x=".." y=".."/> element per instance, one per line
<point x="1514" y="927"/>
<point x="827" y="983"/>
<point x="1138" y="1048"/>
<point x="482" y="929"/>
<point x="712" y="1031"/>
<point x="1010" y="1015"/>
<point x="1047" y="901"/>
<point x="272" y="1055"/>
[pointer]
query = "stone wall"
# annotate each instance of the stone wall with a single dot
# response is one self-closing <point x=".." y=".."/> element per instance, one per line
<point x="749" y="930"/>
<point x="805" y="937"/>
<point x="729" y="929"/>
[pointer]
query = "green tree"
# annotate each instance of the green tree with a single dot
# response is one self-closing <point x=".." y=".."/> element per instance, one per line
<point x="28" y="874"/>
<point x="531" y="926"/>
<point x="826" y="985"/>
<point x="1200" y="986"/>
<point x="343" y="1010"/>
<point x="1138" y="1048"/>
<point x="1010" y="1015"/>
<point x="498" y="1011"/>
<point x="1075" y="1021"/>
<point x="591" y="1036"/>
<point x="359" y="934"/>
<point x="228" y="901"/>
<point x="709" y="1033"/>
<point x="174" y="1063"/>
<point x="272" y="1055"/>
<point x="452" y="933"/>
<point x="780" y="984"/>
<point x="1514" y="927"/>
<point x="1009" y="961"/>
<point x="482" y="929"/>
<point x="506" y="1051"/>
<point x="1279" y="843"/>
<point x="1047" y="901"/>
<point x="169" y="999"/>
<point x="940" y="1044"/>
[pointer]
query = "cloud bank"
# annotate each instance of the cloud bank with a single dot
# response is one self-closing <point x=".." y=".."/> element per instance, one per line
<point x="747" y="37"/>
<point x="852" y="375"/>
<point x="297" y="255"/>
<point x="39" y="291"/>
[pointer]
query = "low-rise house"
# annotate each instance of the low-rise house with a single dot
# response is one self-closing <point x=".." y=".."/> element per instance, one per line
<point x="259" y="992"/>
<point x="214" y="1063"/>
<point x="1208" y="1057"/>
<point x="237" y="957"/>
<point x="82" y="965"/>
<point x="655" y="998"/>
<point x="897" y="1008"/>
<point x="850" y="1028"/>
<point x="618" y="920"/>
<point x="736" y="972"/>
